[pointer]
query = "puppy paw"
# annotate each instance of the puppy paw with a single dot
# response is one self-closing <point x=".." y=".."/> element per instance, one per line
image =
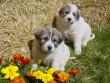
<point x="77" y="52"/>
<point x="61" y="69"/>
<point x="84" y="44"/>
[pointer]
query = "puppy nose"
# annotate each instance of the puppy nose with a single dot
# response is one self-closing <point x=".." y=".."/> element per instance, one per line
<point x="69" y="19"/>
<point x="49" y="47"/>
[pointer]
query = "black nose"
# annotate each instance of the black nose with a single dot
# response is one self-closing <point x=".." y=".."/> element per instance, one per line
<point x="49" y="47"/>
<point x="69" y="19"/>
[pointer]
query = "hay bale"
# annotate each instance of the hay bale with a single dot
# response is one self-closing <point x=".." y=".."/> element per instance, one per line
<point x="20" y="18"/>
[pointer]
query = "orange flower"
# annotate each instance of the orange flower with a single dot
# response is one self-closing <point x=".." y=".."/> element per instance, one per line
<point x="52" y="81"/>
<point x="74" y="72"/>
<point x="30" y="74"/>
<point x="25" y="61"/>
<point x="61" y="76"/>
<point x="18" y="80"/>
<point x="17" y="57"/>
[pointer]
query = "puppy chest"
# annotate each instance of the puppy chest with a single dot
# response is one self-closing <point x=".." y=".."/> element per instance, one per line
<point x="48" y="60"/>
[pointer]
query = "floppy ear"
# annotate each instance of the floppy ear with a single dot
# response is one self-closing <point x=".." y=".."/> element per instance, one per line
<point x="77" y="14"/>
<point x="60" y="37"/>
<point x="54" y="22"/>
<point x="30" y="42"/>
<point x="61" y="11"/>
<point x="30" y="45"/>
<point x="38" y="34"/>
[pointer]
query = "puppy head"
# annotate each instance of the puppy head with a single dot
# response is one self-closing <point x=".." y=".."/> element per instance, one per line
<point x="49" y="39"/>
<point x="70" y="13"/>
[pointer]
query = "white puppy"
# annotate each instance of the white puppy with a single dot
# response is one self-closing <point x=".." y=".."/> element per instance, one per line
<point x="77" y="30"/>
<point x="49" y="47"/>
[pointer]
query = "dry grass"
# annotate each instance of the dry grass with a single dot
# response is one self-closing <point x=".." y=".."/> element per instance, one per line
<point x="20" y="18"/>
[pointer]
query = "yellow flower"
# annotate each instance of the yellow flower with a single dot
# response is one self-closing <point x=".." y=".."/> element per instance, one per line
<point x="44" y="76"/>
<point x="47" y="77"/>
<point x="10" y="72"/>
<point x="51" y="70"/>
<point x="38" y="74"/>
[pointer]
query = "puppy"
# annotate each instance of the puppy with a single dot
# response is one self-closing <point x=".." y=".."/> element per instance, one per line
<point x="49" y="47"/>
<point x="73" y="27"/>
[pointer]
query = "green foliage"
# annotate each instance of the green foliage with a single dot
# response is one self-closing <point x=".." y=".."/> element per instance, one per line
<point x="4" y="81"/>
<point x="94" y="62"/>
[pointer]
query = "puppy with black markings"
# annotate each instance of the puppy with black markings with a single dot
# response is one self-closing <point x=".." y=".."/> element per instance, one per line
<point x="49" y="47"/>
<point x="73" y="27"/>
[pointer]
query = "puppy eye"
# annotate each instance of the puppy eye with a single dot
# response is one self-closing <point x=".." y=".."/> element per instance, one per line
<point x="45" y="38"/>
<point x="54" y="40"/>
<point x="74" y="14"/>
<point x="66" y="12"/>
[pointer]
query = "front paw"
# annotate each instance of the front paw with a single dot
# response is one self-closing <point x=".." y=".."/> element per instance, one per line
<point x="77" y="52"/>
<point x="84" y="44"/>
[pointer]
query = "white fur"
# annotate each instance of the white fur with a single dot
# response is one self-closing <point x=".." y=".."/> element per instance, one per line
<point x="57" y="58"/>
<point x="79" y="31"/>
<point x="70" y="15"/>
<point x="48" y="43"/>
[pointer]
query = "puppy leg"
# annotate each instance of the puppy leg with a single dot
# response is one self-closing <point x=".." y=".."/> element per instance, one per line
<point x="84" y="42"/>
<point x="77" y="46"/>
<point x="55" y="64"/>
<point x="62" y="68"/>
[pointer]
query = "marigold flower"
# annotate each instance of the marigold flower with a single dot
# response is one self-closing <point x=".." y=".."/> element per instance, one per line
<point x="25" y="61"/>
<point x="17" y="57"/>
<point x="51" y="70"/>
<point x="18" y="80"/>
<point x="61" y="76"/>
<point x="74" y="72"/>
<point x="52" y="81"/>
<point x="45" y="77"/>
<point x="31" y="74"/>
<point x="10" y="72"/>
<point x="38" y="74"/>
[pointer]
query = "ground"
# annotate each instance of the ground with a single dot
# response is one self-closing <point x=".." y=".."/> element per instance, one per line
<point x="94" y="63"/>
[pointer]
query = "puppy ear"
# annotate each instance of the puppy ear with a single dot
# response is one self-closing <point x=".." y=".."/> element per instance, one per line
<point x="54" y="22"/>
<point x="60" y="37"/>
<point x="30" y="42"/>
<point x="58" y="34"/>
<point x="38" y="34"/>
<point x="77" y="14"/>
<point x="61" y="11"/>
<point x="30" y="45"/>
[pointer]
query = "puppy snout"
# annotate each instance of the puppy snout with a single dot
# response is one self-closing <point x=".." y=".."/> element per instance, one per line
<point x="49" y="47"/>
<point x="69" y="19"/>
